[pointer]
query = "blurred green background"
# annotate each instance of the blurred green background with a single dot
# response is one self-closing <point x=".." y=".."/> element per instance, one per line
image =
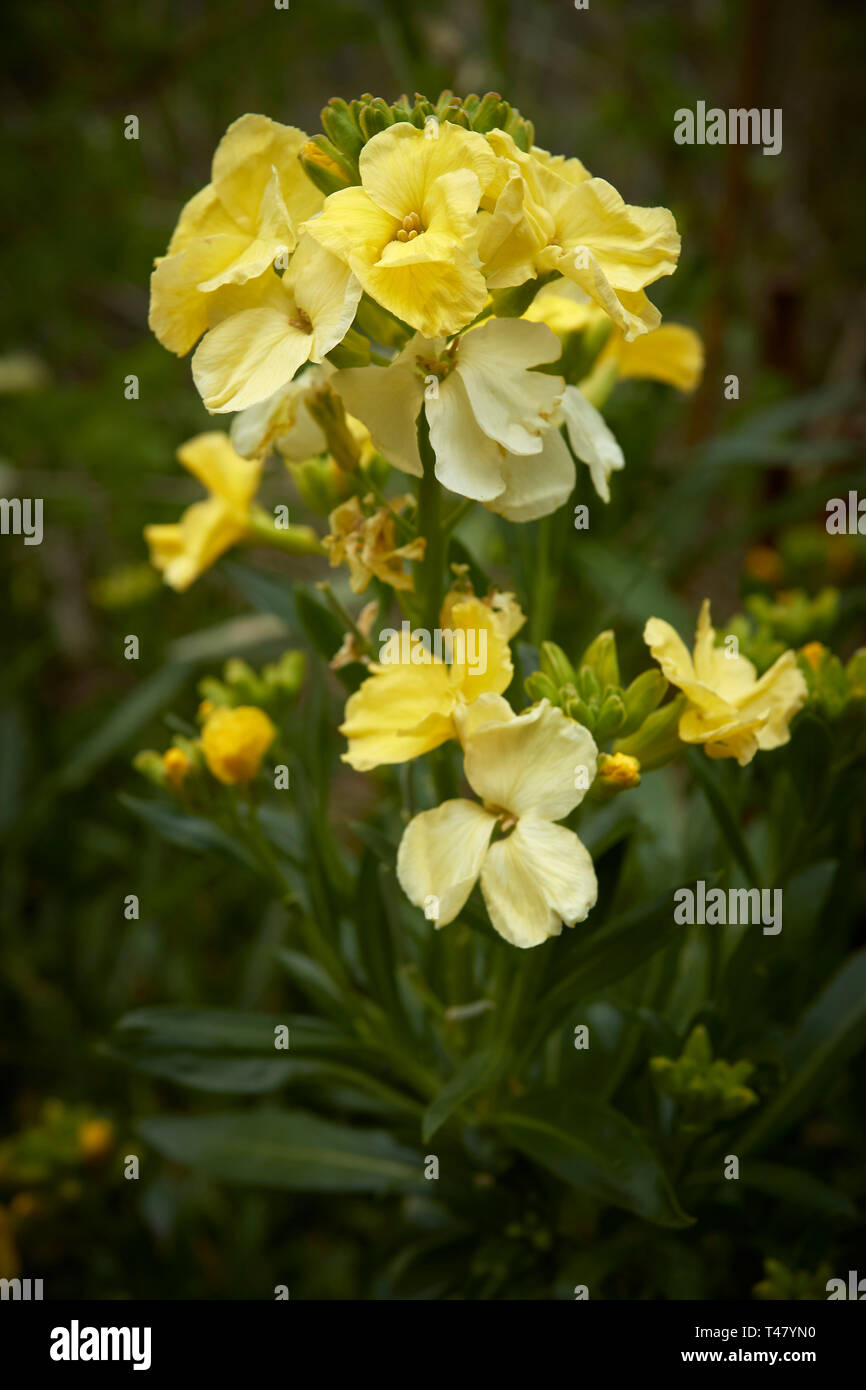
<point x="771" y="275"/>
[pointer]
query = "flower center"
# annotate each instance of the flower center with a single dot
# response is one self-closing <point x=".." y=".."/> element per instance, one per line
<point x="302" y="321"/>
<point x="410" y="228"/>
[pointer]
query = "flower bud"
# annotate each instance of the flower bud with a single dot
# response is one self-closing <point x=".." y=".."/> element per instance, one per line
<point x="555" y="664"/>
<point x="601" y="657"/>
<point x="657" y="741"/>
<point x="234" y="741"/>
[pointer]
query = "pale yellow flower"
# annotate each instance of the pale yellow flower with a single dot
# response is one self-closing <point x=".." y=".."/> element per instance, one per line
<point x="234" y="741"/>
<point x="491" y="417"/>
<point x="609" y="248"/>
<point x="409" y="231"/>
<point x="366" y="542"/>
<point x="234" y="229"/>
<point x="730" y="710"/>
<point x="185" y="549"/>
<point x="267" y="336"/>
<point x="538" y="874"/>
<point x="406" y="708"/>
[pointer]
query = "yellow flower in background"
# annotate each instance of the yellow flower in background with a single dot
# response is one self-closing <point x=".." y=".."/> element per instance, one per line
<point x="407" y="705"/>
<point x="184" y="550"/>
<point x="408" y="232"/>
<point x="538" y="874"/>
<point x="366" y="543"/>
<point x="673" y="353"/>
<point x="176" y="765"/>
<point x="732" y="711"/>
<point x="234" y="741"/>
<point x="270" y="330"/>
<point x="607" y="247"/>
<point x="234" y="229"/>
<point x="95" y="1138"/>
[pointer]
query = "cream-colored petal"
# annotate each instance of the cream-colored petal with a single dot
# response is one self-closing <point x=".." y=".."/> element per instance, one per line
<point x="535" y="879"/>
<point x="388" y="400"/>
<point x="467" y="460"/>
<point x="536" y="484"/>
<point x="780" y="693"/>
<point x="283" y="420"/>
<point x="248" y="357"/>
<point x="489" y="708"/>
<point x="440" y="857"/>
<point x="591" y="439"/>
<point x="512" y="404"/>
<point x="326" y="290"/>
<point x="527" y="766"/>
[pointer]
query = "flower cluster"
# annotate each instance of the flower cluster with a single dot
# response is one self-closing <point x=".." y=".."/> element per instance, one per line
<point x="421" y="287"/>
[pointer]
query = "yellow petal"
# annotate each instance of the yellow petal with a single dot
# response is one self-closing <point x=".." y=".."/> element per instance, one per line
<point x="178" y="307"/>
<point x="353" y="227"/>
<point x="527" y="766"/>
<point x="248" y="357"/>
<point x="211" y="458"/>
<point x="440" y="857"/>
<point x="673" y="354"/>
<point x="483" y="635"/>
<point x="399" y="712"/>
<point x="250" y="149"/>
<point x="399" y="165"/>
<point x="183" y="552"/>
<point x="535" y="879"/>
<point x="388" y="401"/>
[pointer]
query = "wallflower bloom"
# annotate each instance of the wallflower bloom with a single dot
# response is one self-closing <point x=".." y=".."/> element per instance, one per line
<point x="409" y="232"/>
<point x="493" y="421"/>
<point x="406" y="708"/>
<point x="233" y="230"/>
<point x="539" y="875"/>
<point x="234" y="741"/>
<point x="730" y="710"/>
<point x="367" y="544"/>
<point x="184" y="550"/>
<point x="285" y="322"/>
<point x="609" y="248"/>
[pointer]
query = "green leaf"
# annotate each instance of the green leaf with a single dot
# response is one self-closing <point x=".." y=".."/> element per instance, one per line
<point x="597" y="1150"/>
<point x="289" y="1149"/>
<point x="789" y="1185"/>
<point x="148" y="699"/>
<point x="203" y="1072"/>
<point x="607" y="956"/>
<point x="831" y="1032"/>
<point x="477" y="1073"/>
<point x="169" y="1027"/>
<point x="189" y="832"/>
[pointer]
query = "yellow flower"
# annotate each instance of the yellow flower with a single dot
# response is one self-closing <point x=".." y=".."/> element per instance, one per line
<point x="407" y="705"/>
<point x="175" y="765"/>
<point x="234" y="741"/>
<point x="814" y="653"/>
<point x="730" y="710"/>
<point x="409" y="231"/>
<point x="95" y="1138"/>
<point x="610" y="249"/>
<point x="619" y="771"/>
<point x="538" y="875"/>
<point x="233" y="230"/>
<point x="673" y="354"/>
<point x="366" y="544"/>
<point x="268" y="331"/>
<point x="185" y="549"/>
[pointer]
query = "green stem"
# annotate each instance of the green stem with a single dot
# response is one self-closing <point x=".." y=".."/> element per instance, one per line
<point x="544" y="589"/>
<point x="430" y="569"/>
<point x="725" y="818"/>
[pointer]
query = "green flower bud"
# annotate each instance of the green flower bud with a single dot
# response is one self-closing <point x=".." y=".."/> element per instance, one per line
<point x="341" y="130"/>
<point x="580" y="712"/>
<point x="657" y="741"/>
<point x="601" y="657"/>
<point x="555" y="664"/>
<point x="645" y="694"/>
<point x="588" y="684"/>
<point x="611" y="716"/>
<point x="539" y="686"/>
<point x="320" y="483"/>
